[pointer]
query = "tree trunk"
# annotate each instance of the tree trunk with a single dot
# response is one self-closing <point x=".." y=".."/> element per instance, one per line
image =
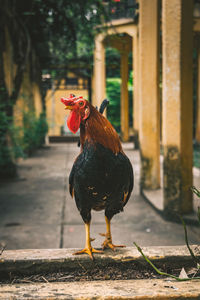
<point x="18" y="37"/>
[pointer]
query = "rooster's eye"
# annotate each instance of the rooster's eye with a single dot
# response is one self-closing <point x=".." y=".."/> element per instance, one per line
<point x="81" y="103"/>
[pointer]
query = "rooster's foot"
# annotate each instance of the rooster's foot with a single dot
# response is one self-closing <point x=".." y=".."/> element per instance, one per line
<point x="88" y="251"/>
<point x="108" y="243"/>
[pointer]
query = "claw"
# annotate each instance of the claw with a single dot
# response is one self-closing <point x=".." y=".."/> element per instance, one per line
<point x="88" y="248"/>
<point x="109" y="244"/>
<point x="88" y="251"/>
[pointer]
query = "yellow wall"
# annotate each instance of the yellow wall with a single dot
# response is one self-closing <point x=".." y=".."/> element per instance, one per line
<point x="29" y="99"/>
<point x="9" y="67"/>
<point x="29" y="96"/>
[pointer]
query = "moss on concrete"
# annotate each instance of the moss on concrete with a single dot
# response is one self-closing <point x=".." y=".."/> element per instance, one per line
<point x="172" y="181"/>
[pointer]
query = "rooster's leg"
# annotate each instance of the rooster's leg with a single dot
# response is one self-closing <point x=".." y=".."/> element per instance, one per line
<point x="108" y="241"/>
<point x="88" y="248"/>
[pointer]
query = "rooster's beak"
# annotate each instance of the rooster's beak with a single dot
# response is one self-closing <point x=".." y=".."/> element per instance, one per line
<point x="68" y="107"/>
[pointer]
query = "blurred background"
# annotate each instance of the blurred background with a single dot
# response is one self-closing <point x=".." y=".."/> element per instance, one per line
<point x="144" y="57"/>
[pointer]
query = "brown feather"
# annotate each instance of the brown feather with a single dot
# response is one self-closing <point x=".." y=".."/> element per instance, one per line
<point x="97" y="129"/>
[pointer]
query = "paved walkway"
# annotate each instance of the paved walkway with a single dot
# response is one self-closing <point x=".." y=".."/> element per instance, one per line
<point x="36" y="210"/>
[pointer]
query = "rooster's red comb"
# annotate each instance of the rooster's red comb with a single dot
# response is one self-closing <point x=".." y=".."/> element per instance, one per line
<point x="71" y="99"/>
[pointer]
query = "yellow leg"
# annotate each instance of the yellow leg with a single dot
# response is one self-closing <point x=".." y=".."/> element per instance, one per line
<point x="88" y="248"/>
<point x="108" y="241"/>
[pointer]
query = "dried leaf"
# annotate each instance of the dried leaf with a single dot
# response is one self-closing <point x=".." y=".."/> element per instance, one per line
<point x="183" y="274"/>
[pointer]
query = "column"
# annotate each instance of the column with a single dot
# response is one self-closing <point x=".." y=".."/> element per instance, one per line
<point x="135" y="82"/>
<point x="99" y="79"/>
<point x="177" y="105"/>
<point x="197" y="133"/>
<point x="149" y="119"/>
<point x="124" y="103"/>
<point x="136" y="100"/>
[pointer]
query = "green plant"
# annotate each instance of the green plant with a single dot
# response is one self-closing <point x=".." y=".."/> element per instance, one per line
<point x="19" y="141"/>
<point x="113" y="95"/>
<point x="34" y="132"/>
<point x="113" y="91"/>
<point x="7" y="166"/>
<point x="197" y="192"/>
<point x="194" y="257"/>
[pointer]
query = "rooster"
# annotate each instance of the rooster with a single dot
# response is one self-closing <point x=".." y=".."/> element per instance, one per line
<point x="102" y="175"/>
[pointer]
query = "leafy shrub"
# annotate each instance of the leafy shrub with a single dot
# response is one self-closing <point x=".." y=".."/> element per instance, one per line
<point x="18" y="141"/>
<point x="113" y="91"/>
<point x="34" y="132"/>
<point x="113" y="95"/>
<point x="7" y="167"/>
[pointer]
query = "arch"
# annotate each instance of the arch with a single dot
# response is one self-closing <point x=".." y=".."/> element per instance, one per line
<point x="128" y="32"/>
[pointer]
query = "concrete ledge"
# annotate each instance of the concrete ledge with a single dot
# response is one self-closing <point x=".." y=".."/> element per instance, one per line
<point x="51" y="260"/>
<point x="33" y="261"/>
<point x="130" y="289"/>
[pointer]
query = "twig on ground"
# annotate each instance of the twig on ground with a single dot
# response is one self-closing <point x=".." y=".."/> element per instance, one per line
<point x="44" y="279"/>
<point x="86" y="271"/>
<point x="160" y="272"/>
<point x="25" y="281"/>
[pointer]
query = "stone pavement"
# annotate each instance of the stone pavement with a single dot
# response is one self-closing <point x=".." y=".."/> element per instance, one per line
<point x="36" y="210"/>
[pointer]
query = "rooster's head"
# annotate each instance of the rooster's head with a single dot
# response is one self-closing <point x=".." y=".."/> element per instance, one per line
<point x="79" y="111"/>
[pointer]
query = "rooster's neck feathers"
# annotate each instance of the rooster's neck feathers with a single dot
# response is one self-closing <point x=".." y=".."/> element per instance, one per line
<point x="97" y="129"/>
